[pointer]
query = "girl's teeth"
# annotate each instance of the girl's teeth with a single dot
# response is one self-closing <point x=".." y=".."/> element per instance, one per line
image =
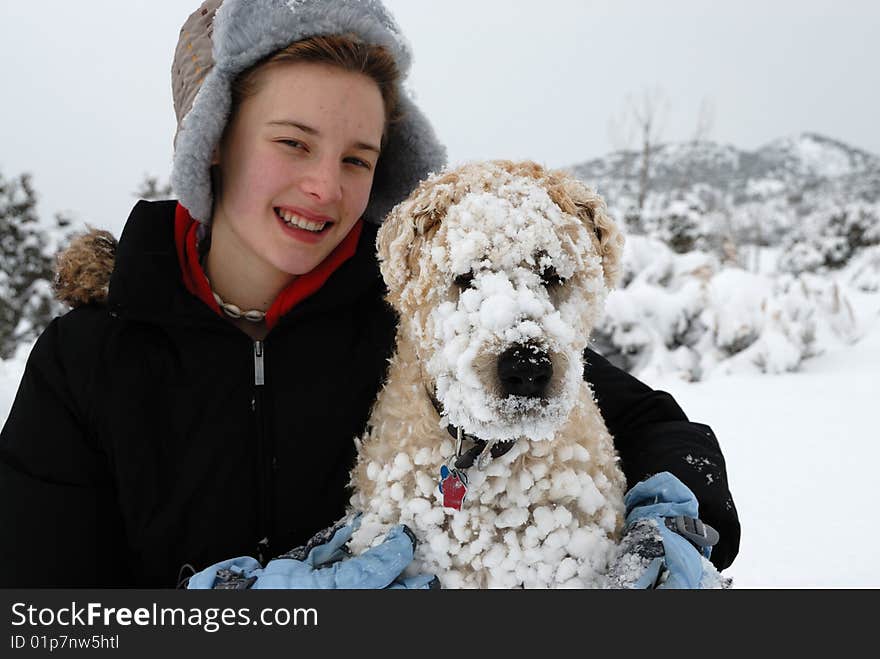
<point x="301" y="222"/>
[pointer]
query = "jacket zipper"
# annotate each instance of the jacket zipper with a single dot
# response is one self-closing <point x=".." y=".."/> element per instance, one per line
<point x="259" y="372"/>
<point x="265" y="456"/>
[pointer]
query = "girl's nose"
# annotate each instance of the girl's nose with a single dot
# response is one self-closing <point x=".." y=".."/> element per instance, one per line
<point x="323" y="182"/>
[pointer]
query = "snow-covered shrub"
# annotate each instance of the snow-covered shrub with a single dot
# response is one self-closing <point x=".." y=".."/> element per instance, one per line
<point x="764" y="222"/>
<point x="735" y="309"/>
<point x="830" y="236"/>
<point x="757" y="324"/>
<point x="688" y="219"/>
<point x="678" y="225"/>
<point x="688" y="314"/>
<point x="801" y="257"/>
<point x="864" y="270"/>
<point x="654" y="321"/>
<point x="835" y="317"/>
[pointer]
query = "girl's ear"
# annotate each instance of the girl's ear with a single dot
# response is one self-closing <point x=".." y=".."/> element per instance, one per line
<point x="215" y="156"/>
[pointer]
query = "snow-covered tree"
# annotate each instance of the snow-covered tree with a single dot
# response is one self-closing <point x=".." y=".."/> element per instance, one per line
<point x="151" y="189"/>
<point x="26" y="265"/>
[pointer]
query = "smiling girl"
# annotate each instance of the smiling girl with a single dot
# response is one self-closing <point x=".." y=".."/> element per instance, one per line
<point x="294" y="171"/>
<point x="204" y="405"/>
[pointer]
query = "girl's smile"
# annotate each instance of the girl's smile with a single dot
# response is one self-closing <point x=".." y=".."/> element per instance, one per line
<point x="304" y="226"/>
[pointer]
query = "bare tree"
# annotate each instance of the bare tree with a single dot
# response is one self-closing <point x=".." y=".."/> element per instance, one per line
<point x="152" y="190"/>
<point x="702" y="130"/>
<point x="648" y="112"/>
<point x="641" y="119"/>
<point x="621" y="133"/>
<point x="705" y="120"/>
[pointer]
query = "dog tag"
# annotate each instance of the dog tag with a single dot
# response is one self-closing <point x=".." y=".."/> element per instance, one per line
<point x="453" y="485"/>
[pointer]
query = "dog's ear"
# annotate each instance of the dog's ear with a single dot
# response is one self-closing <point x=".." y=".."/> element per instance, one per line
<point x="590" y="208"/>
<point x="394" y="243"/>
<point x="406" y="228"/>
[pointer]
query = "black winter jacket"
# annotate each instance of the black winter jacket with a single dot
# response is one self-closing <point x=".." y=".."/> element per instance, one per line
<point x="143" y="438"/>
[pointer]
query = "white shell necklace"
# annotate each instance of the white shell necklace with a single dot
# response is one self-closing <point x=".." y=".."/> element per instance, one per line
<point x="231" y="310"/>
<point x="254" y="315"/>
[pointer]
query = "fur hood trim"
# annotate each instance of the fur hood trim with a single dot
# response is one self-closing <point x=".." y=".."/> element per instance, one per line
<point x="83" y="269"/>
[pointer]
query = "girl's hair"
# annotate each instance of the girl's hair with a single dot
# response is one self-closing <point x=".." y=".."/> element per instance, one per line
<point x="346" y="51"/>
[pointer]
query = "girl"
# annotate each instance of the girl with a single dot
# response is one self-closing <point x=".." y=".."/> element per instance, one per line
<point x="205" y="406"/>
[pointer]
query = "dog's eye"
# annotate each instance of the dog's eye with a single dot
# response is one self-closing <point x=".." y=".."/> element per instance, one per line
<point x="550" y="277"/>
<point x="464" y="281"/>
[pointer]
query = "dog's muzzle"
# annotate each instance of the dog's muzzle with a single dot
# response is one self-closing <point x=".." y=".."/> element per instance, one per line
<point x="524" y="370"/>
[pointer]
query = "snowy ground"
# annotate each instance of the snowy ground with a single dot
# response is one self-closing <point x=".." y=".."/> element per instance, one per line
<point x="10" y="374"/>
<point x="802" y="452"/>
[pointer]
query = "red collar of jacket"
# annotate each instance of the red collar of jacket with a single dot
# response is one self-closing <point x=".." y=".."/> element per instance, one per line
<point x="196" y="282"/>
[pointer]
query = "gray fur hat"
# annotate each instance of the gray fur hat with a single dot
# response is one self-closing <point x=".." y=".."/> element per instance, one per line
<point x="224" y="37"/>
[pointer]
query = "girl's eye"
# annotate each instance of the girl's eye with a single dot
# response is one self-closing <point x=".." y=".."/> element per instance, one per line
<point x="296" y="144"/>
<point x="358" y="162"/>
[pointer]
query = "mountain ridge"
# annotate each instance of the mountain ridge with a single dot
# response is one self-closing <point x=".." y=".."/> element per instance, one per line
<point x="787" y="167"/>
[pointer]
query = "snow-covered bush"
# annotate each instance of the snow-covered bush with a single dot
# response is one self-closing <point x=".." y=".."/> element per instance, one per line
<point x="687" y="219"/>
<point x="830" y="236"/>
<point x="864" y="270"/>
<point x="757" y="323"/>
<point x="690" y="315"/>
<point x="764" y="222"/>
<point x="655" y="319"/>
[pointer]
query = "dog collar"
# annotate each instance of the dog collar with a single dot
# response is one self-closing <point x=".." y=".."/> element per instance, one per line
<point x="466" y="459"/>
<point x="454" y="482"/>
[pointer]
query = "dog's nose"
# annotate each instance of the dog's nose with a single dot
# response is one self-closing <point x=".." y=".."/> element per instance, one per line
<point x="524" y="370"/>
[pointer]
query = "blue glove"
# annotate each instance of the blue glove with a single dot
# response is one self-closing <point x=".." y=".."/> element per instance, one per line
<point x="665" y="558"/>
<point x="323" y="564"/>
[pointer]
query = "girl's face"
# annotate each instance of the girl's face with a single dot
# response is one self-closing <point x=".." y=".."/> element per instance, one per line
<point x="296" y="165"/>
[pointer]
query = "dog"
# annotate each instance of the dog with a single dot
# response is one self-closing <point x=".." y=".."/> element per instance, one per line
<point x="486" y="440"/>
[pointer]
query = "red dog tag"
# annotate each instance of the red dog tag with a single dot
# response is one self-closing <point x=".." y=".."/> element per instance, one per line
<point x="453" y="488"/>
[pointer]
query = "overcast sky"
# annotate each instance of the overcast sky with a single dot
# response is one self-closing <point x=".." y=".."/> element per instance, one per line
<point x="86" y="103"/>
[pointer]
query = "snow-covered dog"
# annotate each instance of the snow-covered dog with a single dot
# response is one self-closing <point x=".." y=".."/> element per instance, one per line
<point x="498" y="272"/>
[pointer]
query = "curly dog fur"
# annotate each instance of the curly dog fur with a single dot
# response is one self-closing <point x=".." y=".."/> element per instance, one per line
<point x="458" y="262"/>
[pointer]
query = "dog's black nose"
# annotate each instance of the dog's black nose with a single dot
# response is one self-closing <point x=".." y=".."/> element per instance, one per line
<point x="524" y="370"/>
